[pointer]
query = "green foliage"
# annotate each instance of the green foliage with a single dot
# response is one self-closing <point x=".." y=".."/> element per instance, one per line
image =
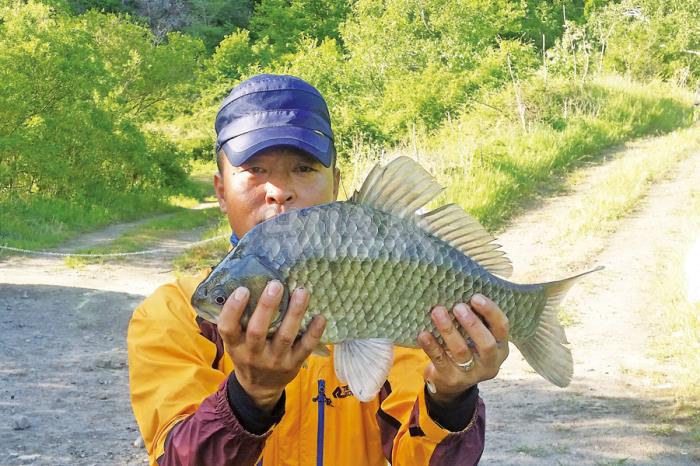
<point x="491" y="165"/>
<point x="77" y="91"/>
<point x="200" y="257"/>
<point x="283" y="23"/>
<point x="644" y="39"/>
<point x="41" y="222"/>
<point x="546" y="18"/>
<point x="110" y="6"/>
<point x="234" y="55"/>
<point x="407" y="64"/>
<point x="96" y="105"/>
<point x="212" y="20"/>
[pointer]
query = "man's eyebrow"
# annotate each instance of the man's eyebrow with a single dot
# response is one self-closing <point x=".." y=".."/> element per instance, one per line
<point x="307" y="160"/>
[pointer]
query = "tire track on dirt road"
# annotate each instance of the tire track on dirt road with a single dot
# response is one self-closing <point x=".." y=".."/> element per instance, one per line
<point x="611" y="412"/>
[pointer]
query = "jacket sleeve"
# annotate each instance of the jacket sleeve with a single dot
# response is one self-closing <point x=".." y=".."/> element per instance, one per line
<point x="410" y="436"/>
<point x="178" y="394"/>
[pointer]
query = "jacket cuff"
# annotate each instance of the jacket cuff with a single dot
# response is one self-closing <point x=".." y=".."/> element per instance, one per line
<point x="456" y="415"/>
<point x="421" y="424"/>
<point x="251" y="417"/>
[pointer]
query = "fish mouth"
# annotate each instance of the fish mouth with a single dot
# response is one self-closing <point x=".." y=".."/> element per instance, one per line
<point x="208" y="311"/>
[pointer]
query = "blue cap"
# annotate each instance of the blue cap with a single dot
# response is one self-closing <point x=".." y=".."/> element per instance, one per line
<point x="270" y="110"/>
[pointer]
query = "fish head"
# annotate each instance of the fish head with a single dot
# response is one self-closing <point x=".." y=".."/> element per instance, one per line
<point x="251" y="272"/>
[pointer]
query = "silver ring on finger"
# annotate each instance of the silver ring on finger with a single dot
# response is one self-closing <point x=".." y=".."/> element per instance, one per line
<point x="466" y="366"/>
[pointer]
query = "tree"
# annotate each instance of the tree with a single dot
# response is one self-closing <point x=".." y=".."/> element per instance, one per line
<point x="78" y="93"/>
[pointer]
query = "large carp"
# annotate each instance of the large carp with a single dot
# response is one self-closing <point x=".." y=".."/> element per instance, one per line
<point x="375" y="268"/>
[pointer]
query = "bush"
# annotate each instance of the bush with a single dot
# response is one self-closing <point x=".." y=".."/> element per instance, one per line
<point x="78" y="91"/>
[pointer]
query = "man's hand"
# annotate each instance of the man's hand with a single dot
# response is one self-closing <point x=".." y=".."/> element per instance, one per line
<point x="265" y="366"/>
<point x="444" y="376"/>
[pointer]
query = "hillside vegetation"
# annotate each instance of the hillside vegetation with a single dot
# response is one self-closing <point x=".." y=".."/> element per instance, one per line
<point x="105" y="104"/>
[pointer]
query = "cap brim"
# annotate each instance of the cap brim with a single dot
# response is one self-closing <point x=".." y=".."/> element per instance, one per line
<point x="241" y="148"/>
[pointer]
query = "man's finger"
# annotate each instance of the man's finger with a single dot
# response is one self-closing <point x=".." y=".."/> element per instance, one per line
<point x="483" y="339"/>
<point x="494" y="316"/>
<point x="311" y="338"/>
<point x="289" y="329"/>
<point x="259" y="323"/>
<point x="229" y="323"/>
<point x="455" y="342"/>
<point x="434" y="351"/>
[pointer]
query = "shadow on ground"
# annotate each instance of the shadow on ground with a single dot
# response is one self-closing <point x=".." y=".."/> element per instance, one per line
<point x="64" y="377"/>
<point x="63" y="369"/>
<point x="530" y="422"/>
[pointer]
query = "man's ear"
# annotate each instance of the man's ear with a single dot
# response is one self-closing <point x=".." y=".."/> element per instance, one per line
<point x="336" y="182"/>
<point x="219" y="191"/>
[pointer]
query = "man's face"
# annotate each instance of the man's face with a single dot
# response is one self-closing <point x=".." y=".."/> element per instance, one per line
<point x="270" y="183"/>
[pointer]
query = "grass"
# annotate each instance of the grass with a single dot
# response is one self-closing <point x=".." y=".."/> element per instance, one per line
<point x="491" y="166"/>
<point x="569" y="317"/>
<point x="677" y="341"/>
<point x="147" y="234"/>
<point x="537" y="452"/>
<point x="37" y="223"/>
<point x="661" y="430"/>
<point x="207" y="254"/>
<point x="626" y="182"/>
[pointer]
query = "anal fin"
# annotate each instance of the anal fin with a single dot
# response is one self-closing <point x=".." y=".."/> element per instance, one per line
<point x="364" y="365"/>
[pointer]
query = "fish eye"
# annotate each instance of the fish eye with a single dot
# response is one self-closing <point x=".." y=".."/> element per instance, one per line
<point x="219" y="296"/>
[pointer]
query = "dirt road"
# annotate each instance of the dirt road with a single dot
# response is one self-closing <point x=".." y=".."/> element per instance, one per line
<point x="613" y="412"/>
<point x="63" y="359"/>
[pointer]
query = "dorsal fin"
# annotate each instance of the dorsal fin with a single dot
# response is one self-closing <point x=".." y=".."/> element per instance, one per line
<point x="457" y="228"/>
<point x="402" y="187"/>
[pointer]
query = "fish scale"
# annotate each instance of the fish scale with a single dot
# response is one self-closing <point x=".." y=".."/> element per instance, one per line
<point x="377" y="269"/>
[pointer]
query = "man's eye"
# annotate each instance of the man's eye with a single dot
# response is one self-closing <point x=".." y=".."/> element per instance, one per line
<point x="305" y="169"/>
<point x="256" y="170"/>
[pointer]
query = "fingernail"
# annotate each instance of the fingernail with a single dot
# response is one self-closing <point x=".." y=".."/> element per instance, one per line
<point x="441" y="314"/>
<point x="300" y="294"/>
<point x="431" y="387"/>
<point x="240" y="294"/>
<point x="424" y="338"/>
<point x="319" y="321"/>
<point x="273" y="288"/>
<point x="478" y="299"/>
<point x="461" y="310"/>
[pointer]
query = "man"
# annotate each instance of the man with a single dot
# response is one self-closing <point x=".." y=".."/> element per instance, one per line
<point x="211" y="396"/>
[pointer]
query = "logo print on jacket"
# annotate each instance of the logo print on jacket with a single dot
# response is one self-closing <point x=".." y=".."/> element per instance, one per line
<point x="342" y="392"/>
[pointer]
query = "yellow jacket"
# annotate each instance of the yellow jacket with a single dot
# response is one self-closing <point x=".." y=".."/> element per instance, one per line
<point x="178" y="373"/>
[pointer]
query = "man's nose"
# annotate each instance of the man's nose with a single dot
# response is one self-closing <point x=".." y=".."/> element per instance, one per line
<point x="279" y="193"/>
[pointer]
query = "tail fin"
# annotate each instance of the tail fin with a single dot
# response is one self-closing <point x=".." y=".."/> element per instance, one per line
<point x="546" y="350"/>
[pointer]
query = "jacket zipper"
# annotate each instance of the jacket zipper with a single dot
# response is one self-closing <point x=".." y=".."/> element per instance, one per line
<point x="321" y="420"/>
